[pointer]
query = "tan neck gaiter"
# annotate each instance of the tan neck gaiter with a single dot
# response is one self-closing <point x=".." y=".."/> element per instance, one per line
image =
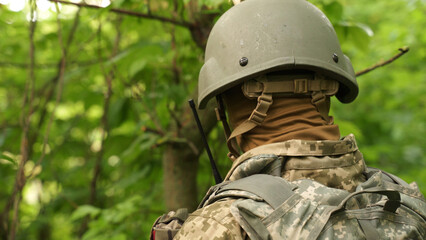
<point x="287" y="118"/>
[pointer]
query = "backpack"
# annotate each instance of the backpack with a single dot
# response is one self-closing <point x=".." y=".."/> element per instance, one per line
<point x="269" y="207"/>
<point x="383" y="207"/>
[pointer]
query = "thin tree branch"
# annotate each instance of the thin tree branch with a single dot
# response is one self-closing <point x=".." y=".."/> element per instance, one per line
<point x="152" y="130"/>
<point x="104" y="121"/>
<point x="174" y="140"/>
<point x="26" y="65"/>
<point x="175" y="68"/>
<point x="152" y="116"/>
<point x="25" y="122"/>
<point x="71" y="202"/>
<point x="192" y="9"/>
<point x="27" y="140"/>
<point x="137" y="95"/>
<point x="15" y="219"/>
<point x="14" y="226"/>
<point x="191" y="145"/>
<point x="59" y="86"/>
<point x="131" y="13"/>
<point x="402" y="51"/>
<point x="84" y="44"/>
<point x="30" y="83"/>
<point x="175" y="118"/>
<point x="73" y="30"/>
<point x="6" y="125"/>
<point x="58" y="82"/>
<point x="50" y="65"/>
<point x="148" y="6"/>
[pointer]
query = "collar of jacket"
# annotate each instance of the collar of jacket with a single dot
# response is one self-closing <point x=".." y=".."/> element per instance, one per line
<point x="293" y="148"/>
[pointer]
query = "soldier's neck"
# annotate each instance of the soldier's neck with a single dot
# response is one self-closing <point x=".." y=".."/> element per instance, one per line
<point x="288" y="118"/>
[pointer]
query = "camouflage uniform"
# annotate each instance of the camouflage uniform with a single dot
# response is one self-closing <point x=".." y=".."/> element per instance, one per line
<point x="328" y="191"/>
<point x="337" y="164"/>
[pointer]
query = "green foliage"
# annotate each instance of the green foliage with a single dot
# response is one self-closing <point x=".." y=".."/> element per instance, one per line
<point x="85" y="210"/>
<point x="155" y="71"/>
<point x="389" y="112"/>
<point x="114" y="222"/>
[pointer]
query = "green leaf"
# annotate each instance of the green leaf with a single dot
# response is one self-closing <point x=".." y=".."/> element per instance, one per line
<point x="211" y="3"/>
<point x="117" y="3"/>
<point x="136" y="67"/>
<point x="85" y="210"/>
<point x="133" y="178"/>
<point x="9" y="159"/>
<point x="118" y="112"/>
<point x="358" y="33"/>
<point x="365" y="28"/>
<point x="334" y="11"/>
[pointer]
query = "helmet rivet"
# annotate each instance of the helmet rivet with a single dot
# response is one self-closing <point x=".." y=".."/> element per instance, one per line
<point x="335" y="58"/>
<point x="243" y="61"/>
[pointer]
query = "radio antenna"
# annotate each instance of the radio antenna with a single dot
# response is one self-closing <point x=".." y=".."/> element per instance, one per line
<point x="216" y="174"/>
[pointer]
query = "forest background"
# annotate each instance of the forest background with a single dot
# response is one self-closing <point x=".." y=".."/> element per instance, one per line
<point x="96" y="136"/>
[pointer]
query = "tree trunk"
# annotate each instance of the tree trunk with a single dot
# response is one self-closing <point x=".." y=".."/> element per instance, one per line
<point x="180" y="171"/>
<point x="180" y="161"/>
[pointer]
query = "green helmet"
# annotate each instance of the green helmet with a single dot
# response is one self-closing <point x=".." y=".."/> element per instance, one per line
<point x="261" y="36"/>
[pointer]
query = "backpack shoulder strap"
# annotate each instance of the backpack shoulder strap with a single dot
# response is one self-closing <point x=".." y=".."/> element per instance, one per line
<point x="370" y="171"/>
<point x="274" y="190"/>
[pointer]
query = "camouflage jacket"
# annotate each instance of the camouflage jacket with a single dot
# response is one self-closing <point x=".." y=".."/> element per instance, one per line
<point x="336" y="164"/>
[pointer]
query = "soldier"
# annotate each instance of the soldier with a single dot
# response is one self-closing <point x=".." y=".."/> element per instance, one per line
<point x="273" y="66"/>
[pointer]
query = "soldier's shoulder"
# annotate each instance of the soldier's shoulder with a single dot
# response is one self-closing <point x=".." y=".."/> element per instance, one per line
<point x="214" y="221"/>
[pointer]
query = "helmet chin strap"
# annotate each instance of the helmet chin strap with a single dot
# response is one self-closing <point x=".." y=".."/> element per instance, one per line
<point x="319" y="100"/>
<point x="264" y="101"/>
<point x="317" y="87"/>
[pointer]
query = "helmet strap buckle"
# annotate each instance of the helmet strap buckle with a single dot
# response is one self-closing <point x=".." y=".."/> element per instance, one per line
<point x="319" y="100"/>
<point x="264" y="101"/>
<point x="300" y="86"/>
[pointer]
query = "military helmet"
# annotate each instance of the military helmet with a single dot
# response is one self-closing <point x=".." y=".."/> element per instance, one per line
<point x="261" y="36"/>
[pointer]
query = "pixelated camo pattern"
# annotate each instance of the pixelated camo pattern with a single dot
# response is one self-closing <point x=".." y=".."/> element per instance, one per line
<point x="316" y="212"/>
<point x="166" y="226"/>
<point x="214" y="222"/>
<point x="337" y="164"/>
<point x="306" y="214"/>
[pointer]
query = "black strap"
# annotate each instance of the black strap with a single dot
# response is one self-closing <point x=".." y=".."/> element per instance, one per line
<point x="274" y="190"/>
<point x="221" y="116"/>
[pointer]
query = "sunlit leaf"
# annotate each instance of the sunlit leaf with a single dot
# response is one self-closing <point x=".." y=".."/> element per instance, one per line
<point x="7" y="158"/>
<point x="85" y="210"/>
<point x="359" y="34"/>
<point x="334" y="11"/>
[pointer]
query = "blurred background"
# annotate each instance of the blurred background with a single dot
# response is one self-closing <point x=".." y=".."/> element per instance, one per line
<point x="96" y="136"/>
